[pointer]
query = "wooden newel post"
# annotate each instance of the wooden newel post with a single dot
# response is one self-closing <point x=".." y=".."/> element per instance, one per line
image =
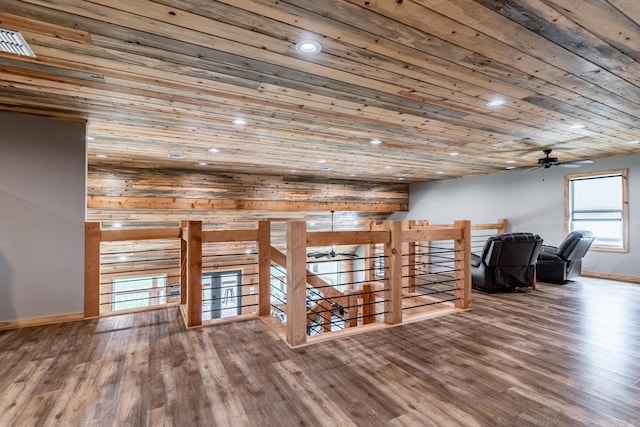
<point x="393" y="279"/>
<point x="264" y="268"/>
<point x="91" y="269"/>
<point x="296" y="282"/>
<point x="194" y="274"/>
<point x="462" y="267"/>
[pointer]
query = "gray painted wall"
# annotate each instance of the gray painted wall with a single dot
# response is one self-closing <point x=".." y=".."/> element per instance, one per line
<point x="530" y="204"/>
<point x="42" y="214"/>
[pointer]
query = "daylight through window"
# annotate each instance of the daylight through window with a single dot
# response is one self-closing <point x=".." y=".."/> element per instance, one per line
<point x="598" y="203"/>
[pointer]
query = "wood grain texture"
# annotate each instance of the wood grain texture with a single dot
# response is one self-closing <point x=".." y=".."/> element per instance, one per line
<point x="160" y="77"/>
<point x="557" y="356"/>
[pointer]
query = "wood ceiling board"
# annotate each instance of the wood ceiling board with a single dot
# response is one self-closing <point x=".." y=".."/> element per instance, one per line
<point x="158" y="76"/>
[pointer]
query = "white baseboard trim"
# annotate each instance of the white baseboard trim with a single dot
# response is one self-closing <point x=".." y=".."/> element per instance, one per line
<point x="616" y="277"/>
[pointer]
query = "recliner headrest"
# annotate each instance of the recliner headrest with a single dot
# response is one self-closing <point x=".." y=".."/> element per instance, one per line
<point x="572" y="240"/>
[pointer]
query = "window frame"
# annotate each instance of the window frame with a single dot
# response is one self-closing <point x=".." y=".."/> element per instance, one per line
<point x="625" y="206"/>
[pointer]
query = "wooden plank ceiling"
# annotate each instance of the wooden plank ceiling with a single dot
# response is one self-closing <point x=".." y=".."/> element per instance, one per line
<point x="169" y="77"/>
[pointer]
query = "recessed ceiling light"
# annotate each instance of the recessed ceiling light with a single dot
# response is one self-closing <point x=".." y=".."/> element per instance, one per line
<point x="90" y="138"/>
<point x="387" y="167"/>
<point x="122" y="258"/>
<point x="375" y="142"/>
<point x="176" y="156"/>
<point x="510" y="161"/>
<point x="510" y="167"/>
<point x="577" y="126"/>
<point x="294" y="170"/>
<point x="440" y="173"/>
<point x="352" y="174"/>
<point x="116" y="225"/>
<point x="203" y="163"/>
<point x="322" y="161"/>
<point x="401" y="178"/>
<point x="308" y="47"/>
<point x="101" y="156"/>
<point x="637" y="141"/>
<point x="496" y="103"/>
<point x="213" y="150"/>
<point x="239" y="122"/>
<point x="455" y="153"/>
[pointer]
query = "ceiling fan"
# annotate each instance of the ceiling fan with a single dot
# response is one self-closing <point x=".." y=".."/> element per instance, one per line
<point x="332" y="253"/>
<point x="548" y="161"/>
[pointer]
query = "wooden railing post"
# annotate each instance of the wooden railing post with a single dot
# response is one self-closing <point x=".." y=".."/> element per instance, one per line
<point x="368" y="304"/>
<point x="462" y="248"/>
<point x="369" y="261"/>
<point x="393" y="279"/>
<point x="296" y="282"/>
<point x="183" y="261"/>
<point x="503" y="226"/>
<point x="91" y="269"/>
<point x="264" y="268"/>
<point x="194" y="273"/>
<point x="411" y="248"/>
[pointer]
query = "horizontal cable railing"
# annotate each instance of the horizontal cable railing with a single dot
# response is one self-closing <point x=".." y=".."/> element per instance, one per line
<point x="401" y="270"/>
<point x="138" y="275"/>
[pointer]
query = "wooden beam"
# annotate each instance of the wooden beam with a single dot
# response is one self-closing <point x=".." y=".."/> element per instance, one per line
<point x="439" y="233"/>
<point x="91" y="269"/>
<point x="264" y="268"/>
<point x="217" y="236"/>
<point x="296" y="283"/>
<point x="328" y="238"/>
<point x="393" y="282"/>
<point x="194" y="274"/>
<point x="121" y="202"/>
<point x="140" y="234"/>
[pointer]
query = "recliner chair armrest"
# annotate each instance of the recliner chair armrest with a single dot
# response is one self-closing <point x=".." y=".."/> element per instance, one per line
<point x="549" y="256"/>
<point x="475" y="260"/>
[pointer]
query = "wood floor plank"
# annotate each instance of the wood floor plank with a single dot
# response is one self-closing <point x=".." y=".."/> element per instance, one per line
<point x="556" y="356"/>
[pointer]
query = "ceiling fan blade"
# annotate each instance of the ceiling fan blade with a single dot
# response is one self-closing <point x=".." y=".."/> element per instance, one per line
<point x="569" y="165"/>
<point x="583" y="162"/>
<point x="534" y="168"/>
<point x="348" y="255"/>
<point x="317" y="254"/>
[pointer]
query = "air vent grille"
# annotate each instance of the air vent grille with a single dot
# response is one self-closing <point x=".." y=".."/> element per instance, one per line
<point x="13" y="42"/>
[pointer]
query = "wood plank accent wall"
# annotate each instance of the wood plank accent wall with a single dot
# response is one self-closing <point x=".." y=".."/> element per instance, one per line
<point x="139" y="193"/>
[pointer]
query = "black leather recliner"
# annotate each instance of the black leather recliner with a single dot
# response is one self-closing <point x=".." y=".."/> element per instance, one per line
<point x="560" y="264"/>
<point x="507" y="262"/>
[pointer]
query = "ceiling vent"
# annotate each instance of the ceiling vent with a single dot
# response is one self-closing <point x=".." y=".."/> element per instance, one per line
<point x="13" y="42"/>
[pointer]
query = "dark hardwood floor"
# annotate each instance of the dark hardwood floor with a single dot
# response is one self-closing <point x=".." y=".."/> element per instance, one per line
<point x="557" y="356"/>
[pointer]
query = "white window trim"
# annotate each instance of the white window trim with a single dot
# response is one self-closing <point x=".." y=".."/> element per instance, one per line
<point x="625" y="206"/>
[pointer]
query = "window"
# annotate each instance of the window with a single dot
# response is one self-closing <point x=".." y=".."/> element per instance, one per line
<point x="598" y="203"/>
<point x="138" y="292"/>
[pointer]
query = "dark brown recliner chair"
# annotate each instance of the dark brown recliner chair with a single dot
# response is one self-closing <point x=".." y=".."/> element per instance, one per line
<point x="507" y="262"/>
<point x="558" y="265"/>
